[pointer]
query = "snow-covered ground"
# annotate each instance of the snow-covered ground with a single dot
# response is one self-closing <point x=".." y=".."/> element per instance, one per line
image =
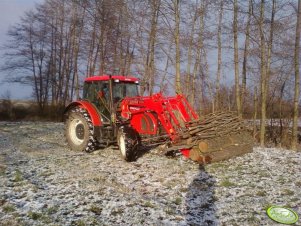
<point x="42" y="182"/>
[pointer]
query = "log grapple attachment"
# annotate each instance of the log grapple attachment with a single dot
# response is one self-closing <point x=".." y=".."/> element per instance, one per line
<point x="172" y="123"/>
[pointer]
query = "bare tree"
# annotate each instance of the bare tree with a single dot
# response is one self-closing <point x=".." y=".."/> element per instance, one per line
<point x="255" y="112"/>
<point x="176" y="6"/>
<point x="150" y="51"/>
<point x="236" y="62"/>
<point x="297" y="80"/>
<point x="28" y="52"/>
<point x="197" y="65"/>
<point x="270" y="45"/>
<point x="245" y="57"/>
<point x="189" y="55"/>
<point x="219" y="54"/>
<point x="263" y="80"/>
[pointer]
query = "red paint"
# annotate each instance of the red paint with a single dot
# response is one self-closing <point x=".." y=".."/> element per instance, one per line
<point x="185" y="152"/>
<point x="114" y="77"/>
<point x="144" y="123"/>
<point x="95" y="117"/>
<point x="171" y="112"/>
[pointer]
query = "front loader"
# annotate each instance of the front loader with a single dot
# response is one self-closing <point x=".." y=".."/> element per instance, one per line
<point x="112" y="112"/>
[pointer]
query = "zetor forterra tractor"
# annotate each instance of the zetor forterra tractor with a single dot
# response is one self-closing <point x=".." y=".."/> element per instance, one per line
<point x="112" y="112"/>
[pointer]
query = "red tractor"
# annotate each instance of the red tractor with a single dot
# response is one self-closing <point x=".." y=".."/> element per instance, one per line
<point x="112" y="112"/>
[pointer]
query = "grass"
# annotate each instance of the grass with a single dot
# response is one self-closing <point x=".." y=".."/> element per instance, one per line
<point x="239" y="168"/>
<point x="295" y="199"/>
<point x="298" y="183"/>
<point x="261" y="193"/>
<point x="227" y="183"/>
<point x="46" y="174"/>
<point x="169" y="211"/>
<point x="266" y="206"/>
<point x="95" y="209"/>
<point x="282" y="180"/>
<point x="2" y="202"/>
<point x="183" y="189"/>
<point x="52" y="210"/>
<point x="18" y="176"/>
<point x="11" y="222"/>
<point x="2" y="170"/>
<point x="116" y="212"/>
<point x="170" y="184"/>
<point x="148" y="204"/>
<point x="8" y="208"/>
<point x="98" y="179"/>
<point x="34" y="215"/>
<point x="78" y="223"/>
<point x="287" y="192"/>
<point x="263" y="174"/>
<point x="215" y="166"/>
<point x="178" y="201"/>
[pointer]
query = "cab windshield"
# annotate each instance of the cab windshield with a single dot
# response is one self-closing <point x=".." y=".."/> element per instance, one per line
<point x="124" y="89"/>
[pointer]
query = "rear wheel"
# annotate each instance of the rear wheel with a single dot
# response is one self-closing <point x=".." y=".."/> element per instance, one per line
<point x="80" y="131"/>
<point x="128" y="142"/>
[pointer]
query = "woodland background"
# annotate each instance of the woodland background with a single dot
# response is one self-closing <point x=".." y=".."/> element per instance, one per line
<point x="223" y="55"/>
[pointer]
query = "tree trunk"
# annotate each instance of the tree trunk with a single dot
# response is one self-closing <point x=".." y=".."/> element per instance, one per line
<point x="177" y="43"/>
<point x="92" y="45"/>
<point x="280" y="111"/>
<point x="236" y="65"/>
<point x="255" y="113"/>
<point x="151" y="45"/>
<point x="263" y="76"/>
<point x="189" y="56"/>
<point x="270" y="47"/>
<point x="198" y="58"/>
<point x="297" y="81"/>
<point x="219" y="55"/>
<point x="162" y="84"/>
<point x="246" y="49"/>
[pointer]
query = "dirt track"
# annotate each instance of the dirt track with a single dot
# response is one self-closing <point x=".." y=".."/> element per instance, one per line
<point x="44" y="183"/>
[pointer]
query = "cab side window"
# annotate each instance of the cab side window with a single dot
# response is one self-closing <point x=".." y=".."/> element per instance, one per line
<point x="93" y="89"/>
<point x="88" y="91"/>
<point x="104" y="89"/>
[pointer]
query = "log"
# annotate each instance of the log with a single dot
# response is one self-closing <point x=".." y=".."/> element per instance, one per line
<point x="203" y="146"/>
<point x="196" y="156"/>
<point x="230" y="152"/>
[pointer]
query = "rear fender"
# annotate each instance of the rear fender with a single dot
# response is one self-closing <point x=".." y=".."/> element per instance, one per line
<point x="95" y="117"/>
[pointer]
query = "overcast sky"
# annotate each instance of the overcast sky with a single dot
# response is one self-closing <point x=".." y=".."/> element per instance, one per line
<point x="10" y="13"/>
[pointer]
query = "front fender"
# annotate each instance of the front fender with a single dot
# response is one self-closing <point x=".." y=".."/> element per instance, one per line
<point x="95" y="117"/>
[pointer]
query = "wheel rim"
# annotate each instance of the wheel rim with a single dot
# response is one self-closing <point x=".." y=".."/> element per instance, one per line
<point x="77" y="131"/>
<point x="122" y="145"/>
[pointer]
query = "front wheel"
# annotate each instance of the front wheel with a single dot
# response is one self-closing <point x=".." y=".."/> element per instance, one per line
<point x="79" y="131"/>
<point x="128" y="142"/>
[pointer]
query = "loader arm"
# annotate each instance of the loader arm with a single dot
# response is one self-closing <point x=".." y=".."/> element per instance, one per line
<point x="172" y="113"/>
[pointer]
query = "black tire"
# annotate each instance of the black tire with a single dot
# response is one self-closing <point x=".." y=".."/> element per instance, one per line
<point x="128" y="143"/>
<point x="79" y="131"/>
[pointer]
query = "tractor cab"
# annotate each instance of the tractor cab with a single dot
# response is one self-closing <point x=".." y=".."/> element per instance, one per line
<point x="105" y="92"/>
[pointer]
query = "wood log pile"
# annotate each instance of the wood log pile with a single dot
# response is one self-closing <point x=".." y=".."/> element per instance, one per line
<point x="218" y="137"/>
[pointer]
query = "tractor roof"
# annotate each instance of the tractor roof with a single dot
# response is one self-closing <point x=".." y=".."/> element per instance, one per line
<point x="115" y="77"/>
